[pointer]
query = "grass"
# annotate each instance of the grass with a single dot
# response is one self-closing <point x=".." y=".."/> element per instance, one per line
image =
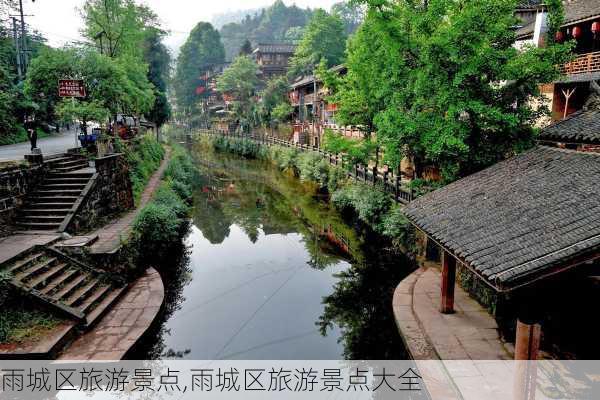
<point x="19" y="324"/>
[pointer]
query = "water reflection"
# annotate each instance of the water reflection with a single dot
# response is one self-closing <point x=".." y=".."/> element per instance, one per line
<point x="274" y="273"/>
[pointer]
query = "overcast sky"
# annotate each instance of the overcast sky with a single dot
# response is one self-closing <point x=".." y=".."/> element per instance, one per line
<point x="60" y="22"/>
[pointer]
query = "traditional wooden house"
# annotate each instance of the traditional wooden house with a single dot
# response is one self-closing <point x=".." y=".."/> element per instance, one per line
<point x="582" y="24"/>
<point x="313" y="114"/>
<point x="273" y="59"/>
<point x="522" y="224"/>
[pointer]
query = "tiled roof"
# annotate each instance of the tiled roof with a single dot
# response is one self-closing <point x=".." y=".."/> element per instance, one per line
<point x="519" y="220"/>
<point x="580" y="127"/>
<point x="525" y="30"/>
<point x="276" y="48"/>
<point x="581" y="10"/>
<point x="529" y="4"/>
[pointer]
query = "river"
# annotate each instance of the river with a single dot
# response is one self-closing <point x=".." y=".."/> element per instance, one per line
<point x="270" y="271"/>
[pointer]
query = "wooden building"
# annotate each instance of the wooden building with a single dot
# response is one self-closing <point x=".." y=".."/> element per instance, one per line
<point x="273" y="59"/>
<point x="522" y="223"/>
<point x="582" y="24"/>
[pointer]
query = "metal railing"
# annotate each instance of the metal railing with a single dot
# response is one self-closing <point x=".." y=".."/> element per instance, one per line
<point x="390" y="182"/>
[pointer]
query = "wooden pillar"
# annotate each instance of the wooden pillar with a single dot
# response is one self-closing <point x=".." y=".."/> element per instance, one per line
<point x="527" y="341"/>
<point x="448" y="282"/>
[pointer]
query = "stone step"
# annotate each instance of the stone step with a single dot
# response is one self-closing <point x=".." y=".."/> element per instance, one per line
<point x="54" y="199"/>
<point x="49" y="206"/>
<point x="40" y="219"/>
<point x="26" y="261"/>
<point x="81" y="294"/>
<point x="58" y="281"/>
<point x="45" y="211"/>
<point x="68" y="162"/>
<point x="50" y="274"/>
<point x="35" y="226"/>
<point x="62" y="186"/>
<point x="94" y="298"/>
<point x="67" y="181"/>
<point x="104" y="306"/>
<point x="61" y="192"/>
<point x="70" y="168"/>
<point x="35" y="269"/>
<point x="70" y="287"/>
<point x="70" y="175"/>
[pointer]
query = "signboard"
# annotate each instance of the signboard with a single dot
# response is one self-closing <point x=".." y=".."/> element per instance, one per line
<point x="71" y="88"/>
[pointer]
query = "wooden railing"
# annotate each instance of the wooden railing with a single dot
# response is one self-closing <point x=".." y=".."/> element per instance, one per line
<point x="390" y="182"/>
<point x="583" y="64"/>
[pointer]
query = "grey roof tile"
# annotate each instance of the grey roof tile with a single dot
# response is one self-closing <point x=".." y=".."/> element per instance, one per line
<point x="520" y="219"/>
<point x="580" y="127"/>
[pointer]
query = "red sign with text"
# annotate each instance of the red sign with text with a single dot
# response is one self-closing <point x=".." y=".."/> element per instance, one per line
<point x="71" y="88"/>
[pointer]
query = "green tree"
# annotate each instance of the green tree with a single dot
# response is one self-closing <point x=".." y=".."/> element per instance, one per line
<point x="201" y="52"/>
<point x="272" y="96"/>
<point x="117" y="27"/>
<point x="158" y="58"/>
<point x="239" y="81"/>
<point x="246" y="48"/>
<point x="458" y="95"/>
<point x="352" y="14"/>
<point x="324" y="38"/>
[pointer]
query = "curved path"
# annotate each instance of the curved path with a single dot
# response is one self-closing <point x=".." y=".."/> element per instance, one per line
<point x="123" y="326"/>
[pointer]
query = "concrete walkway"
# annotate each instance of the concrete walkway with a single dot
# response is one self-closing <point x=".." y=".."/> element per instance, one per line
<point x="123" y="326"/>
<point x="471" y="333"/>
<point x="55" y="143"/>
<point x="111" y="236"/>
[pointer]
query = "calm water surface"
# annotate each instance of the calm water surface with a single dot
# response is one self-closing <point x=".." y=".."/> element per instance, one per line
<point x="270" y="271"/>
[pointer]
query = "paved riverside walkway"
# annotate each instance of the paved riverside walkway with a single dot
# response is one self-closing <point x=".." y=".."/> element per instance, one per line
<point x="470" y="333"/>
<point x="472" y="361"/>
<point x="112" y="235"/>
<point x="125" y="323"/>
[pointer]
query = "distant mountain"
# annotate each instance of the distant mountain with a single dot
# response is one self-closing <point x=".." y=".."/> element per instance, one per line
<point x="232" y="17"/>
<point x="275" y="24"/>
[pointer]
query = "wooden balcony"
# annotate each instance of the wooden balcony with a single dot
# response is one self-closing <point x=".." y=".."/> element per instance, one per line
<point x="583" y="64"/>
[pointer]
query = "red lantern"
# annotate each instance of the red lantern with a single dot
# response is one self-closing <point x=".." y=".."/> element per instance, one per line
<point x="559" y="37"/>
<point x="577" y="32"/>
<point x="596" y="28"/>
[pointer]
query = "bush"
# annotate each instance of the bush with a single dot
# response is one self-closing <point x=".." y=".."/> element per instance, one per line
<point x="370" y="204"/>
<point x="243" y="147"/>
<point x="284" y="157"/>
<point x="144" y="158"/>
<point x="166" y="195"/>
<point x="156" y="225"/>
<point x="312" y="167"/>
<point x="396" y="226"/>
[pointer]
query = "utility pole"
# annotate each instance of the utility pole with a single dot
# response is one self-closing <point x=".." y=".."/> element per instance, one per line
<point x="17" y="49"/>
<point x="23" y="38"/>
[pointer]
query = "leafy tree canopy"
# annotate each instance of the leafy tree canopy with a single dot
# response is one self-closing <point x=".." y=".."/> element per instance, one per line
<point x="324" y="39"/>
<point x="458" y="94"/>
<point x="202" y="51"/>
<point x="239" y="81"/>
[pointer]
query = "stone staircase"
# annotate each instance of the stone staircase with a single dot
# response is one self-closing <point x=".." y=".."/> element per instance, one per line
<point x="54" y="199"/>
<point x="64" y="284"/>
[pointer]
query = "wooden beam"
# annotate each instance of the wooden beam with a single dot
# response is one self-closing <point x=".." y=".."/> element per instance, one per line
<point x="527" y="341"/>
<point x="448" y="283"/>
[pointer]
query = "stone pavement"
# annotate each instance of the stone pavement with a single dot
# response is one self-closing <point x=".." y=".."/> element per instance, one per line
<point x="111" y="236"/>
<point x="123" y="326"/>
<point x="471" y="333"/>
<point x="14" y="245"/>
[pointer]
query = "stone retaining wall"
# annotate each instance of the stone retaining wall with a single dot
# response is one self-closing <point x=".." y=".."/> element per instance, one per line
<point x="108" y="194"/>
<point x="15" y="183"/>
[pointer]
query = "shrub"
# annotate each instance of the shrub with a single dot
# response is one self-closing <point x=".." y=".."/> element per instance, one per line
<point x="337" y="178"/>
<point x="156" y="226"/>
<point x="243" y="147"/>
<point x="167" y="195"/>
<point x="284" y="157"/>
<point x="396" y="226"/>
<point x="144" y="158"/>
<point x="370" y="204"/>
<point x="312" y="167"/>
